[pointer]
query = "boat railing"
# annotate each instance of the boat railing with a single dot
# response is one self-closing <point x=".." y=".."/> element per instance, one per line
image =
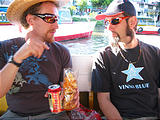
<point x="146" y="23"/>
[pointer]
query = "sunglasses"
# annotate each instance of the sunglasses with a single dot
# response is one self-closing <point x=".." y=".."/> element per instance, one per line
<point x="48" y="18"/>
<point x="115" y="21"/>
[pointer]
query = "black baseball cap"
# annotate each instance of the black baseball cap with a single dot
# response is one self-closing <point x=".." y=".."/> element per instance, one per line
<point x="118" y="7"/>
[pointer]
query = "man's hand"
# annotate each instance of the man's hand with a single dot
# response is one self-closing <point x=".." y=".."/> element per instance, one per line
<point x="34" y="46"/>
<point x="75" y="100"/>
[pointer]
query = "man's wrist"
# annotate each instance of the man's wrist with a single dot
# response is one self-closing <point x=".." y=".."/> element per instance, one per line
<point x="11" y="60"/>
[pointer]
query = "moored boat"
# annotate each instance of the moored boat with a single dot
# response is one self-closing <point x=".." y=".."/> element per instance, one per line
<point x="148" y="25"/>
<point x="74" y="30"/>
<point x="3" y="20"/>
<point x="67" y="28"/>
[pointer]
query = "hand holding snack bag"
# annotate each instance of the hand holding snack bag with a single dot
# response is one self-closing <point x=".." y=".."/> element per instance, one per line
<point x="70" y="90"/>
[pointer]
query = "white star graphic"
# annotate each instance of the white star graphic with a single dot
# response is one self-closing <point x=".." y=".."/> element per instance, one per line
<point x="132" y="72"/>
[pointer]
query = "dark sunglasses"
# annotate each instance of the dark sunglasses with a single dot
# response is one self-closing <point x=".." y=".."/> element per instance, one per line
<point x="115" y="21"/>
<point x="48" y="18"/>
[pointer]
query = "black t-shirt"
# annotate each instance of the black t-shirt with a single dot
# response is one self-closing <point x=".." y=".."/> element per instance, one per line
<point x="133" y="86"/>
<point x="34" y="75"/>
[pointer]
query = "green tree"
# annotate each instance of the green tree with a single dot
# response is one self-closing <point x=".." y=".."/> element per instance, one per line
<point x="83" y="5"/>
<point x="72" y="9"/>
<point x="100" y="3"/>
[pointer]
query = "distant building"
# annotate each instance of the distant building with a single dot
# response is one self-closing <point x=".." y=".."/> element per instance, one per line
<point x="146" y="7"/>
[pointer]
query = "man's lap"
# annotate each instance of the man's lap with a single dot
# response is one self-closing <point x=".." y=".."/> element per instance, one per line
<point x="46" y="116"/>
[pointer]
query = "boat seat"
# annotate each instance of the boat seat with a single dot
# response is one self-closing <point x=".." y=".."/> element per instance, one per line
<point x="82" y="64"/>
<point x="3" y="105"/>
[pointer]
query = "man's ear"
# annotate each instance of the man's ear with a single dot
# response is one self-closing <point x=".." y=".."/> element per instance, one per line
<point x="132" y="22"/>
<point x="29" y="19"/>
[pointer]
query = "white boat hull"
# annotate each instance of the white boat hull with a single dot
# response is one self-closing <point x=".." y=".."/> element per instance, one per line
<point x="65" y="31"/>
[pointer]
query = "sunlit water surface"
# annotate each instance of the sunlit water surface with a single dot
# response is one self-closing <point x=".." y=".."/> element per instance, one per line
<point x="85" y="46"/>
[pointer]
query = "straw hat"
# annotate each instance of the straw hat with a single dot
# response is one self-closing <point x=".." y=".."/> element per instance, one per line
<point x="18" y="7"/>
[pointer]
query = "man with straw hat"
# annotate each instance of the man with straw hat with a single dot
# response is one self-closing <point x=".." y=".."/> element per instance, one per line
<point x="126" y="74"/>
<point x="29" y="65"/>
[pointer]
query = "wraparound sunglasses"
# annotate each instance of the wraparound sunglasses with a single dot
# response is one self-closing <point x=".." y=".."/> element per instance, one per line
<point x="115" y="21"/>
<point x="48" y="18"/>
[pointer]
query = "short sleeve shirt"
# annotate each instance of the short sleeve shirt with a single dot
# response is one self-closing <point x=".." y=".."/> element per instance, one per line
<point x="34" y="76"/>
<point x="133" y="86"/>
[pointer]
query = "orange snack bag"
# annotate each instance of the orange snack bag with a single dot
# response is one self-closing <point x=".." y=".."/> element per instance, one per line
<point x="69" y="89"/>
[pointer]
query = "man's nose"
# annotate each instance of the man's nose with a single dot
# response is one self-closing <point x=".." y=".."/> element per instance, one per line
<point x="55" y="25"/>
<point x="107" y="27"/>
<point x="110" y="27"/>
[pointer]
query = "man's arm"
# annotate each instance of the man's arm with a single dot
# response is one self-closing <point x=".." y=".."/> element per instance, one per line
<point x="7" y="75"/>
<point x="34" y="46"/>
<point x="108" y="109"/>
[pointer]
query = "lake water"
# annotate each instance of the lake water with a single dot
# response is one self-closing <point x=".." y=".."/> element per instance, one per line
<point x="85" y="46"/>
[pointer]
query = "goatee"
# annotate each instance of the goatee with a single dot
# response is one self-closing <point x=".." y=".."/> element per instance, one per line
<point x="113" y="42"/>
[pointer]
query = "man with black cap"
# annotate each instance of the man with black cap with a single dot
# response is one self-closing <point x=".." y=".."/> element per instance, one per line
<point x="126" y="74"/>
<point x="29" y="65"/>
